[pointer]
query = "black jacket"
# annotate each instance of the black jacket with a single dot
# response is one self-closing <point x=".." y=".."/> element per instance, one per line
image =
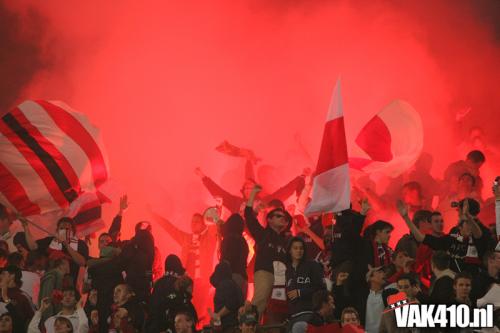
<point x="234" y="248"/>
<point x="164" y="304"/>
<point x="481" y="284"/>
<point x="442" y="291"/>
<point x="347" y="240"/>
<point x="161" y="298"/>
<point x="269" y="245"/>
<point x="227" y="294"/>
<point x="136" y="313"/>
<point x="307" y="278"/>
<point x="104" y="279"/>
<point x="136" y="259"/>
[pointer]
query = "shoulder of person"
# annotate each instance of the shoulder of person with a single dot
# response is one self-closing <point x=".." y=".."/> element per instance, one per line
<point x="45" y="242"/>
<point x="82" y="243"/>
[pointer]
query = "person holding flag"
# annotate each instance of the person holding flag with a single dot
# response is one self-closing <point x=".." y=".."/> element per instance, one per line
<point x="331" y="190"/>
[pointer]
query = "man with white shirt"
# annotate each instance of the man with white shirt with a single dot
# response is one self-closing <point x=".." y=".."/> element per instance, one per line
<point x="71" y="309"/>
<point x="374" y="302"/>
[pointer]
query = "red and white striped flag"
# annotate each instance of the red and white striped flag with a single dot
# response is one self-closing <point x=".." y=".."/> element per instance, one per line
<point x="50" y="156"/>
<point x="331" y="185"/>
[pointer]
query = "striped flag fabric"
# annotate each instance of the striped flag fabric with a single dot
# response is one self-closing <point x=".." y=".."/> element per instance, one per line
<point x="52" y="161"/>
<point x="331" y="185"/>
<point x="391" y="142"/>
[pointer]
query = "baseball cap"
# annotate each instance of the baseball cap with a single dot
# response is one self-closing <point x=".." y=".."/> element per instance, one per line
<point x="248" y="318"/>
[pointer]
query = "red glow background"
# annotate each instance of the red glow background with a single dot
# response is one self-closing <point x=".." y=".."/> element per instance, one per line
<point x="167" y="81"/>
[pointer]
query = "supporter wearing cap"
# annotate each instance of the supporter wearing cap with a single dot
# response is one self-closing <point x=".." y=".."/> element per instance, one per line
<point x="248" y="322"/>
<point x="228" y="297"/>
<point x="270" y="258"/>
<point x="248" y="318"/>
<point x="164" y="296"/>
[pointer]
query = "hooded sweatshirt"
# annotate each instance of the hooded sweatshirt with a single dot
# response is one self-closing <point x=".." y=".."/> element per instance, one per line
<point x="234" y="248"/>
<point x="164" y="296"/>
<point x="306" y="278"/>
<point x="227" y="294"/>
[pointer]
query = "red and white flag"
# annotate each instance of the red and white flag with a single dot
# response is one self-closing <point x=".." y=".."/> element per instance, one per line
<point x="50" y="156"/>
<point x="390" y="142"/>
<point x="331" y="185"/>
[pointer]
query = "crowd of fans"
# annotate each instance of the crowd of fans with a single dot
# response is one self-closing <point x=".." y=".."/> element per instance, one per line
<point x="323" y="273"/>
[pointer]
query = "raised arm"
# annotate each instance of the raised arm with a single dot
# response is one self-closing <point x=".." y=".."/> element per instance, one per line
<point x="253" y="225"/>
<point x="283" y="193"/>
<point x="403" y="211"/>
<point x="178" y="235"/>
<point x="77" y="257"/>
<point x="27" y="233"/>
<point x="471" y="221"/>
<point x="303" y="198"/>
<point x="231" y="202"/>
<point x="115" y="228"/>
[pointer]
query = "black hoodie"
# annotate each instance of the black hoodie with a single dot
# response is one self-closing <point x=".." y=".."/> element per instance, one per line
<point x="166" y="301"/>
<point x="234" y="248"/>
<point x="227" y="294"/>
<point x="136" y="260"/>
<point x="306" y="278"/>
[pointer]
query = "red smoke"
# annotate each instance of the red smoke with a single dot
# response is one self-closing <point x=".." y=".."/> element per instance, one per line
<point x="167" y="81"/>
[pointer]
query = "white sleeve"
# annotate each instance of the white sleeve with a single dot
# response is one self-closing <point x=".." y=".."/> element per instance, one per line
<point x="83" y="322"/>
<point x="35" y="321"/>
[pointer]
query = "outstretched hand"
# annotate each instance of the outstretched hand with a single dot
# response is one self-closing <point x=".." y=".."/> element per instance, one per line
<point x="402" y="208"/>
<point x="465" y="211"/>
<point x="123" y="203"/>
<point x="365" y="206"/>
<point x="45" y="303"/>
